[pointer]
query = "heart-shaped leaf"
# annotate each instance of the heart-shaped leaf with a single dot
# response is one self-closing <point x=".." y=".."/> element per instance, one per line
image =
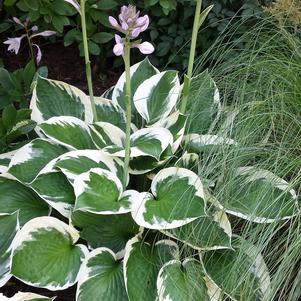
<point x="240" y="273"/>
<point x="157" y="96"/>
<point x="45" y="254"/>
<point x="260" y="196"/>
<point x="101" y="277"/>
<point x="142" y="262"/>
<point x="178" y="200"/>
<point x="68" y="131"/>
<point x="184" y="281"/>
<point x="30" y="159"/>
<point x="55" y="98"/>
<point x="99" y="191"/>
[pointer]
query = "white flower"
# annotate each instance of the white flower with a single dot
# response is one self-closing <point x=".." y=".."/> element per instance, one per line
<point x="14" y="44"/>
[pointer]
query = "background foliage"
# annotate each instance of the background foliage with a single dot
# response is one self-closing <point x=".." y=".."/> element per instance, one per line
<point x="171" y="24"/>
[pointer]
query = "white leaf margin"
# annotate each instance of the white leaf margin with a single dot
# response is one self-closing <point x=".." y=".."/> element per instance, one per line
<point x="280" y="183"/>
<point x="36" y="114"/>
<point x="60" y="121"/>
<point x="46" y="222"/>
<point x="213" y="290"/>
<point x="129" y="248"/>
<point x="139" y="207"/>
<point x="143" y="92"/>
<point x="84" y="272"/>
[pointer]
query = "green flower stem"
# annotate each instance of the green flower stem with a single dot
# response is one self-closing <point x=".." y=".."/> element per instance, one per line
<point x="128" y="103"/>
<point x="87" y="58"/>
<point x="188" y="76"/>
<point x="30" y="46"/>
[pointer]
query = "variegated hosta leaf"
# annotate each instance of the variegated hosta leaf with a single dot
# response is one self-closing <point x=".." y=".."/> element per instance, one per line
<point x="178" y="200"/>
<point x="54" y="188"/>
<point x="139" y="73"/>
<point x="30" y="159"/>
<point x="204" y="103"/>
<point x="189" y="161"/>
<point x="99" y="191"/>
<point x="15" y="196"/>
<point x="74" y="163"/>
<point x="156" y="97"/>
<point x="106" y="134"/>
<point x="205" y="233"/>
<point x="260" y="196"/>
<point x="45" y="254"/>
<point x="240" y="273"/>
<point x="9" y="225"/>
<point x="20" y="296"/>
<point x="110" y="231"/>
<point x="55" y="98"/>
<point x="175" y="123"/>
<point x="68" y="131"/>
<point x="5" y="159"/>
<point x="199" y="143"/>
<point x="110" y="111"/>
<point x="143" y="164"/>
<point x="142" y="262"/>
<point x="149" y="142"/>
<point x="101" y="277"/>
<point x="184" y="281"/>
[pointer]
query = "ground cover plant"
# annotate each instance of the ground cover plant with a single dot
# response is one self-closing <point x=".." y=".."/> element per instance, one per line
<point x="130" y="199"/>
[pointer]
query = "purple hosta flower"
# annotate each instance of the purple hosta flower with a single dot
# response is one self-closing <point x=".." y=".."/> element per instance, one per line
<point x="130" y="22"/>
<point x="46" y="33"/>
<point x="14" y="44"/>
<point x="145" y="47"/>
<point x="34" y="28"/>
<point x="131" y="25"/>
<point x="119" y="47"/>
<point x="39" y="53"/>
<point x="17" y="21"/>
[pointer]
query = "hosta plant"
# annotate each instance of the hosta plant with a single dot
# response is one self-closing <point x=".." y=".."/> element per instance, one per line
<point x="114" y="201"/>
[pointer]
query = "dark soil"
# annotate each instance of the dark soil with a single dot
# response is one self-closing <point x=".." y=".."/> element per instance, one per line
<point x="66" y="65"/>
<point x="14" y="286"/>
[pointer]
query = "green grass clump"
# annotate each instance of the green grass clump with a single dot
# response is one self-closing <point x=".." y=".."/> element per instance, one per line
<point x="259" y="78"/>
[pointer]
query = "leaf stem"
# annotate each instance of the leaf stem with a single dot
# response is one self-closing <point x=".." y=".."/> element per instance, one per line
<point x="87" y="58"/>
<point x="128" y="103"/>
<point x="187" y="79"/>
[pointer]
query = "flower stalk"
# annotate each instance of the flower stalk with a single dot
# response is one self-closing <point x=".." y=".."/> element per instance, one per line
<point x="188" y="76"/>
<point x="131" y="24"/>
<point x="128" y="105"/>
<point x="87" y="58"/>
